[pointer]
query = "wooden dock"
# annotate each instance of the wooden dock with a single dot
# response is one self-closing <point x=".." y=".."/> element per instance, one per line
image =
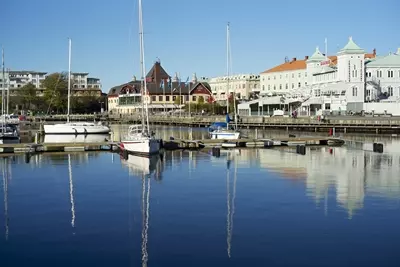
<point x="172" y="144"/>
<point x="259" y="143"/>
<point x="57" y="147"/>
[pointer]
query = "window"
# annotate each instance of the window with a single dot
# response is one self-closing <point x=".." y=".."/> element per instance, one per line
<point x="368" y="92"/>
<point x="292" y="85"/>
<point x="305" y="83"/>
<point x="299" y="74"/>
<point x="280" y="87"/>
<point x="305" y="74"/>
<point x="299" y="85"/>
<point x="269" y="87"/>
<point x="167" y="98"/>
<point x="379" y="73"/>
<point x="194" y="98"/>
<point x="269" y="78"/>
<point x="280" y="76"/>
<point x="390" y="91"/>
<point x="153" y="98"/>
<point x="390" y="74"/>
<point x="286" y="87"/>
<point x="160" y="98"/>
<point x="264" y="87"/>
<point x="354" y="91"/>
<point x="274" y="87"/>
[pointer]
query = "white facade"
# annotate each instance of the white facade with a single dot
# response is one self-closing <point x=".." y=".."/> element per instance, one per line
<point x="17" y="79"/>
<point x="343" y="83"/>
<point x="241" y="84"/>
<point x="281" y="82"/>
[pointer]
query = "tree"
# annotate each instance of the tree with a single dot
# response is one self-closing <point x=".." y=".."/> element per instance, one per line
<point x="177" y="100"/>
<point x="27" y="93"/>
<point x="201" y="100"/>
<point x="56" y="91"/>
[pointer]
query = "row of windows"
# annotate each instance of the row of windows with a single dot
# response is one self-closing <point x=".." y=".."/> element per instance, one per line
<point x="286" y="86"/>
<point x="286" y="76"/>
<point x="379" y="74"/>
<point x="389" y="91"/>
<point x="237" y="86"/>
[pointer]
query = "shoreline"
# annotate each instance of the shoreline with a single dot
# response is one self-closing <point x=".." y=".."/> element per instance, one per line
<point x="349" y="124"/>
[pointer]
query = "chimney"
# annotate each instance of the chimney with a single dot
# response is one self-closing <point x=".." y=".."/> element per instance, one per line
<point x="306" y="57"/>
<point x="294" y="59"/>
<point x="374" y="52"/>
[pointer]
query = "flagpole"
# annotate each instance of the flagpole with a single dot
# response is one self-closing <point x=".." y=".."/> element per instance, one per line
<point x="180" y="93"/>
<point x="189" y="98"/>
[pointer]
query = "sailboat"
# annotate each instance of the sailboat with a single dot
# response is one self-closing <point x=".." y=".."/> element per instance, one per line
<point x="140" y="140"/>
<point x="74" y="127"/>
<point x="227" y="133"/>
<point x="9" y="133"/>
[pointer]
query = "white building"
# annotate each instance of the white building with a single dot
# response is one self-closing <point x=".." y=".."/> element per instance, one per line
<point x="351" y="81"/>
<point x="243" y="85"/>
<point x="17" y="79"/>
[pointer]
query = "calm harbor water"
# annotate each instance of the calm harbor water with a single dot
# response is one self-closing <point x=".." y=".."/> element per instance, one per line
<point x="267" y="207"/>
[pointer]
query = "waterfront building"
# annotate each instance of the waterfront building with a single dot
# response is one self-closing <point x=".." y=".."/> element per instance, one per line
<point x="351" y="81"/>
<point x="82" y="84"/>
<point x="245" y="86"/>
<point x="164" y="93"/>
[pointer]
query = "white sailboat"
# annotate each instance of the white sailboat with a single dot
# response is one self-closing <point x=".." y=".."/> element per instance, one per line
<point x="140" y="140"/>
<point x="8" y="132"/>
<point x="74" y="127"/>
<point x="227" y="133"/>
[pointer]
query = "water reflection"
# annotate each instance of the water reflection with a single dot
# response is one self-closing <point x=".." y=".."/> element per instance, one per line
<point x="6" y="173"/>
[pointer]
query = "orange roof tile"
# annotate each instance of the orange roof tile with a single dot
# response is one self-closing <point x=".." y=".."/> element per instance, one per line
<point x="301" y="64"/>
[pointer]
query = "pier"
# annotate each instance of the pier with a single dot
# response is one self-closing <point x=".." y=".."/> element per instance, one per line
<point x="172" y="144"/>
<point x="340" y="124"/>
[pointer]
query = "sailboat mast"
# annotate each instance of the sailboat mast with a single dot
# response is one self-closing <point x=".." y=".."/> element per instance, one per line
<point x="227" y="68"/>
<point x="69" y="78"/>
<point x="230" y="71"/>
<point x="8" y="91"/>
<point x="145" y="112"/>
<point x="4" y="83"/>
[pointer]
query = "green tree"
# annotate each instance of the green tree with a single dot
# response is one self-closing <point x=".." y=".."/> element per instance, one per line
<point x="201" y="100"/>
<point x="27" y="94"/>
<point x="56" y="91"/>
<point x="177" y="100"/>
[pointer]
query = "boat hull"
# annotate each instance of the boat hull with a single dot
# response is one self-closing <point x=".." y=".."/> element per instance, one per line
<point x="144" y="147"/>
<point x="225" y="135"/>
<point x="10" y="140"/>
<point x="71" y="128"/>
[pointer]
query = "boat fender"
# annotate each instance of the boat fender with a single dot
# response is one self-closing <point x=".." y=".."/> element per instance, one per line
<point x="76" y="132"/>
<point x="171" y="138"/>
<point x="85" y="131"/>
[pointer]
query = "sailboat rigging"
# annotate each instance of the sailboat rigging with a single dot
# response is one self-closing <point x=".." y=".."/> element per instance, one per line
<point x="140" y="140"/>
<point x="9" y="132"/>
<point x="74" y="127"/>
<point x="227" y="133"/>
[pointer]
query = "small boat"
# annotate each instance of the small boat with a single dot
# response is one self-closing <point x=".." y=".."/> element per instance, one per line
<point x="74" y="127"/>
<point x="139" y="142"/>
<point x="9" y="134"/>
<point x="227" y="132"/>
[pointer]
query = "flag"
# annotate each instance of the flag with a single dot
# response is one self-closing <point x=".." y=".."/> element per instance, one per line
<point x="169" y="83"/>
<point x="162" y="85"/>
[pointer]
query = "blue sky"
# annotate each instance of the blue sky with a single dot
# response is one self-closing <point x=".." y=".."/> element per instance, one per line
<point x="188" y="36"/>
